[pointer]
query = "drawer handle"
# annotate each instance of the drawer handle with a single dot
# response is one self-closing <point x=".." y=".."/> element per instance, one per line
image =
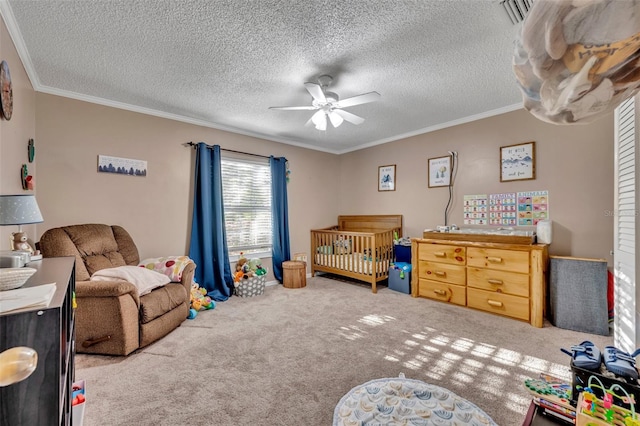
<point x="494" y="259"/>
<point x="439" y="254"/>
<point x="440" y="292"/>
<point x="440" y="273"/>
<point x="494" y="281"/>
<point x="494" y="303"/>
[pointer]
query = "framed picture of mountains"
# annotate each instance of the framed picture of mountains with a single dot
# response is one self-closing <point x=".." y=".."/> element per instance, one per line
<point x="518" y="162"/>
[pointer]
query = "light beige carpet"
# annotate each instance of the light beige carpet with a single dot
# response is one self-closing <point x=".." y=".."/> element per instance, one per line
<point x="288" y="356"/>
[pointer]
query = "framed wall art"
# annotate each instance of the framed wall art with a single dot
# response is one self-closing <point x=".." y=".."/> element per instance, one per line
<point x="123" y="166"/>
<point x="518" y="162"/>
<point x="440" y="171"/>
<point x="387" y="178"/>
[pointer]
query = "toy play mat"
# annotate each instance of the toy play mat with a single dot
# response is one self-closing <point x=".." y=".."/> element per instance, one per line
<point x="401" y="401"/>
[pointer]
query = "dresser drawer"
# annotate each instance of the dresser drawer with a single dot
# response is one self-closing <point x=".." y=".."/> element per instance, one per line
<point x="442" y="291"/>
<point x="504" y="260"/>
<point x="445" y="272"/>
<point x="500" y="281"/>
<point x="442" y="253"/>
<point x="503" y="304"/>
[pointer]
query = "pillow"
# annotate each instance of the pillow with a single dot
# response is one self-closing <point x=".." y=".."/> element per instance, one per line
<point x="144" y="279"/>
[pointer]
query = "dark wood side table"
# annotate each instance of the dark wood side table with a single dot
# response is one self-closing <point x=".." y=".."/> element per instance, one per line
<point x="43" y="398"/>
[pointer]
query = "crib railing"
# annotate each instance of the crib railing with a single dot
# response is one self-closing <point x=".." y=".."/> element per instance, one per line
<point x="364" y="256"/>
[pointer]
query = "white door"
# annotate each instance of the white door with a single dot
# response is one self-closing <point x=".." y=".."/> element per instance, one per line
<point x="627" y="318"/>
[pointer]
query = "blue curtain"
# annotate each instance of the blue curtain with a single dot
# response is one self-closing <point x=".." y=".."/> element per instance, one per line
<point x="280" y="214"/>
<point x="208" y="248"/>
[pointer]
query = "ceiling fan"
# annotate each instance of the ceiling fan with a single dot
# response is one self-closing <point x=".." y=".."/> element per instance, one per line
<point x="329" y="104"/>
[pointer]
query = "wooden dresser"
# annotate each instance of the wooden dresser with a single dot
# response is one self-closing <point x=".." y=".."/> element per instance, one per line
<point x="502" y="278"/>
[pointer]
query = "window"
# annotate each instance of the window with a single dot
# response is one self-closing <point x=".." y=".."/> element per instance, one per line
<point x="246" y="189"/>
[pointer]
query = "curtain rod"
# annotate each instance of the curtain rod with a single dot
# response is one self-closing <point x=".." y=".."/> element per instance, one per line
<point x="228" y="150"/>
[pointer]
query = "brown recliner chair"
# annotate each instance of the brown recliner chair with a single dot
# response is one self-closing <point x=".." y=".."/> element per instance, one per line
<point x="111" y="318"/>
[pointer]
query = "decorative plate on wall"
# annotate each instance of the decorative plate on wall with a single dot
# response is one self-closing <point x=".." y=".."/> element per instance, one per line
<point x="7" y="90"/>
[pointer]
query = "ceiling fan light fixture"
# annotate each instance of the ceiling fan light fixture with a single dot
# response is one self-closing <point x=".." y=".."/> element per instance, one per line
<point x="320" y="120"/>
<point x="336" y="120"/>
<point x="328" y="104"/>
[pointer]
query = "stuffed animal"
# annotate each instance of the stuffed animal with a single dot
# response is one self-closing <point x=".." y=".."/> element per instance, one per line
<point x="19" y="242"/>
<point x="255" y="265"/>
<point x="246" y="271"/>
<point x="243" y="271"/>
<point x="199" y="300"/>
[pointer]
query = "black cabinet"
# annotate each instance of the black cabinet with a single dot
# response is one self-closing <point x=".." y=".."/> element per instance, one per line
<point x="44" y="398"/>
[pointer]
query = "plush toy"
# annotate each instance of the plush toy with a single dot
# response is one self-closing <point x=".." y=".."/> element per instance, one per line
<point x="199" y="300"/>
<point x="246" y="271"/>
<point x="19" y="242"/>
<point x="255" y="265"/>
<point x="243" y="271"/>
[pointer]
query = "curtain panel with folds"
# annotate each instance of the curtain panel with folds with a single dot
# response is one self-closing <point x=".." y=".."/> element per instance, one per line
<point x="279" y="214"/>
<point x="208" y="247"/>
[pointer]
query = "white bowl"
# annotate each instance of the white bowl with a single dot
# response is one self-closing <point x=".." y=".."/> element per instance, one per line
<point x="11" y="278"/>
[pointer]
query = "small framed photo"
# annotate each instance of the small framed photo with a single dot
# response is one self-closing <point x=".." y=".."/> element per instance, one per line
<point x="440" y="171"/>
<point x="387" y="178"/>
<point x="518" y="162"/>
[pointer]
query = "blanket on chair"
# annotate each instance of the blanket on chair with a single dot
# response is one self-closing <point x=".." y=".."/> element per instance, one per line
<point x="171" y="266"/>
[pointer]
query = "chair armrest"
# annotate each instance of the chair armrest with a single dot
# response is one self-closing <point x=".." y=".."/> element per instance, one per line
<point x="106" y="289"/>
<point x="187" y="277"/>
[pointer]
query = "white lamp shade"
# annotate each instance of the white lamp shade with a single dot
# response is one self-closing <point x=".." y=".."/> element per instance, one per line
<point x="336" y="119"/>
<point x="19" y="210"/>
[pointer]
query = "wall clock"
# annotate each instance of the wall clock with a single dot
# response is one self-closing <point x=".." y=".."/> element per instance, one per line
<point x="7" y="90"/>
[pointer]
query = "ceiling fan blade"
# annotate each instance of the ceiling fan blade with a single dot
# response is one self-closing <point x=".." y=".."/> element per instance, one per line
<point x="320" y="120"/>
<point x="315" y="91"/>
<point x="359" y="99"/>
<point x="335" y="119"/>
<point x="295" y="108"/>
<point x="351" y="118"/>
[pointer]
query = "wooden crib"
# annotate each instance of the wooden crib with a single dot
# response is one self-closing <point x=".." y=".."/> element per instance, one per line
<point x="358" y="247"/>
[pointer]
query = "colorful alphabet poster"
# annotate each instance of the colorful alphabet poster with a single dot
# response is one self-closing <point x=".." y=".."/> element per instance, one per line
<point x="475" y="210"/>
<point x="503" y="209"/>
<point x="506" y="209"/>
<point x="533" y="206"/>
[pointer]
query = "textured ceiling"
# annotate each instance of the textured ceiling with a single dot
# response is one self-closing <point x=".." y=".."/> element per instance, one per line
<point x="222" y="64"/>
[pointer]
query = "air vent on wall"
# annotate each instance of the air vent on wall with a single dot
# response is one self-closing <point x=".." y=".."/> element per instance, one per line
<point x="516" y="9"/>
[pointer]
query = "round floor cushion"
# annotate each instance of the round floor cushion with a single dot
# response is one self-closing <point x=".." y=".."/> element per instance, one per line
<point x="401" y="401"/>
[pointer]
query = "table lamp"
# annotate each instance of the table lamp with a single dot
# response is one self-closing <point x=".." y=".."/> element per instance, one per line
<point x="19" y="210"/>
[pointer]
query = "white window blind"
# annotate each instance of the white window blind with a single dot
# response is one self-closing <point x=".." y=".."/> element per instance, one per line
<point x="246" y="188"/>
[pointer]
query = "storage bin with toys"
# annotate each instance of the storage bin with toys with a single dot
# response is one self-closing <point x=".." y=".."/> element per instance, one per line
<point x="250" y="277"/>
